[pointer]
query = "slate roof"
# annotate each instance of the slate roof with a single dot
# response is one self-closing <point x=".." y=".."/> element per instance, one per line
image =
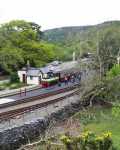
<point x="55" y="63"/>
<point x="67" y="67"/>
<point x="33" y="72"/>
<point x="62" y="67"/>
<point x="44" y="70"/>
<point x="49" y="68"/>
<point x="54" y="67"/>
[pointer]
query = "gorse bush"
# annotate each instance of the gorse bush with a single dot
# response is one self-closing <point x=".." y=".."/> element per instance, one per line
<point x="88" y="141"/>
<point x="85" y="141"/>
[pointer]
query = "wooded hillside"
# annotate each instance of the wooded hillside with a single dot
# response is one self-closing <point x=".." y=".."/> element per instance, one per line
<point x="21" y="41"/>
<point x="80" y="38"/>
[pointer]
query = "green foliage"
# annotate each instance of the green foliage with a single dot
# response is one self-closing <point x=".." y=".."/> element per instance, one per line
<point x="14" y="78"/>
<point x="21" y="41"/>
<point x="11" y="85"/>
<point x="113" y="72"/>
<point x="85" y="39"/>
<point x="116" y="110"/>
<point x="85" y="141"/>
<point x="26" y="41"/>
<point x="103" y="119"/>
<point x="111" y="87"/>
<point x="11" y="58"/>
<point x="72" y="39"/>
<point x="109" y="47"/>
<point x="88" y="141"/>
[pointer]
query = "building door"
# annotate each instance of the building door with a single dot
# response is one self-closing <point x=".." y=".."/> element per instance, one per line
<point x="24" y="78"/>
<point x="39" y="79"/>
<point x="59" y="76"/>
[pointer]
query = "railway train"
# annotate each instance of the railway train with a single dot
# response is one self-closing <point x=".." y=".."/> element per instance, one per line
<point x="63" y="72"/>
<point x="51" y="74"/>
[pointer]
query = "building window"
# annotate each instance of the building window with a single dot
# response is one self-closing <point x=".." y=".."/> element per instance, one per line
<point x="31" y="78"/>
<point x="45" y="76"/>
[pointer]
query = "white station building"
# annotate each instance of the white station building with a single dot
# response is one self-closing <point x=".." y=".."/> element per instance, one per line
<point x="36" y="75"/>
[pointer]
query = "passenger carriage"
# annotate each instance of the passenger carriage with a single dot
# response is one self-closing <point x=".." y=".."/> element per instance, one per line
<point x="59" y="73"/>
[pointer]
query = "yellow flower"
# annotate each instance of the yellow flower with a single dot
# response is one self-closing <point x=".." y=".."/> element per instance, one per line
<point x="63" y="137"/>
<point x="87" y="133"/>
<point x="108" y="134"/>
<point x="68" y="141"/>
<point x="99" y="138"/>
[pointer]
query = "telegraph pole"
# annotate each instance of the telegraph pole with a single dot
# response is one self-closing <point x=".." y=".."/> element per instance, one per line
<point x="73" y="56"/>
<point x="98" y="55"/>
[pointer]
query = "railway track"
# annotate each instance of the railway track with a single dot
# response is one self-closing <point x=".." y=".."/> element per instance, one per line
<point x="13" y="110"/>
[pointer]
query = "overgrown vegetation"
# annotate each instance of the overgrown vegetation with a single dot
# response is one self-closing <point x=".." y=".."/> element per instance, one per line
<point x="113" y="72"/>
<point x="14" y="78"/>
<point x="105" y="88"/>
<point x="9" y="85"/>
<point x="102" y="121"/>
<point x="85" y="141"/>
<point x="99" y="120"/>
<point x="88" y="141"/>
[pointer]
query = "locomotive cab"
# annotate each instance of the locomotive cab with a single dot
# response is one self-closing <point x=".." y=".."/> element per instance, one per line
<point x="49" y="79"/>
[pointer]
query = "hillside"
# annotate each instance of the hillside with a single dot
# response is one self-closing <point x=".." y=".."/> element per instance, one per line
<point x="21" y="41"/>
<point x="79" y="38"/>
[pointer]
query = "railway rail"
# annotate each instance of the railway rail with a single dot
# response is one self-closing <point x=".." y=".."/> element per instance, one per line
<point x="8" y="113"/>
<point x="25" y="100"/>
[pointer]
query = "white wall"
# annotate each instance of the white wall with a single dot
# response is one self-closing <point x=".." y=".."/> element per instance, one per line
<point x="34" y="80"/>
<point x="20" y="75"/>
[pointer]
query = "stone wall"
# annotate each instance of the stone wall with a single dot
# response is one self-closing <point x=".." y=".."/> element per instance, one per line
<point x="14" y="138"/>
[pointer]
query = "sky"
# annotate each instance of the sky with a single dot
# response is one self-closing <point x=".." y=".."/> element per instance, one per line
<point x="58" y="13"/>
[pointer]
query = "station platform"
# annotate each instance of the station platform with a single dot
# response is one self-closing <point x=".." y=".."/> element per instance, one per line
<point x="36" y="92"/>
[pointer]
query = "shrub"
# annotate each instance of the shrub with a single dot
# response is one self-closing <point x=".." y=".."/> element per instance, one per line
<point x="14" y="78"/>
<point x="114" y="71"/>
<point x="88" y="141"/>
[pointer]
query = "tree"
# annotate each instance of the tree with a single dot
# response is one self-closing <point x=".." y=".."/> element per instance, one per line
<point x="109" y="47"/>
<point x="11" y="59"/>
<point x="21" y="41"/>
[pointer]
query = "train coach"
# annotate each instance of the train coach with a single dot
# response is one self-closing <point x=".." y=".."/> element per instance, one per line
<point x="59" y="72"/>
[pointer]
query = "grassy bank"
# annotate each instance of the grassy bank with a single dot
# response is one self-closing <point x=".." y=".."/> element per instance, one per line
<point x="99" y="120"/>
<point x="8" y="86"/>
<point x="96" y="119"/>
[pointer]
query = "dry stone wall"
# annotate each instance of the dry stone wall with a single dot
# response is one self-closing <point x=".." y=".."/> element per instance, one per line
<point x="14" y="138"/>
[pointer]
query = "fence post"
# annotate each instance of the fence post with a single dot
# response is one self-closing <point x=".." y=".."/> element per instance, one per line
<point x="25" y="91"/>
<point x="20" y="92"/>
<point x="9" y="123"/>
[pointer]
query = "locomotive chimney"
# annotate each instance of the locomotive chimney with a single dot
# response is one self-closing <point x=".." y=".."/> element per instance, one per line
<point x="28" y="64"/>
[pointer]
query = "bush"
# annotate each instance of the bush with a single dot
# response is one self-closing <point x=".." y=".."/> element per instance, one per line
<point x="114" y="71"/>
<point x="88" y="141"/>
<point x="85" y="141"/>
<point x="14" y="78"/>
